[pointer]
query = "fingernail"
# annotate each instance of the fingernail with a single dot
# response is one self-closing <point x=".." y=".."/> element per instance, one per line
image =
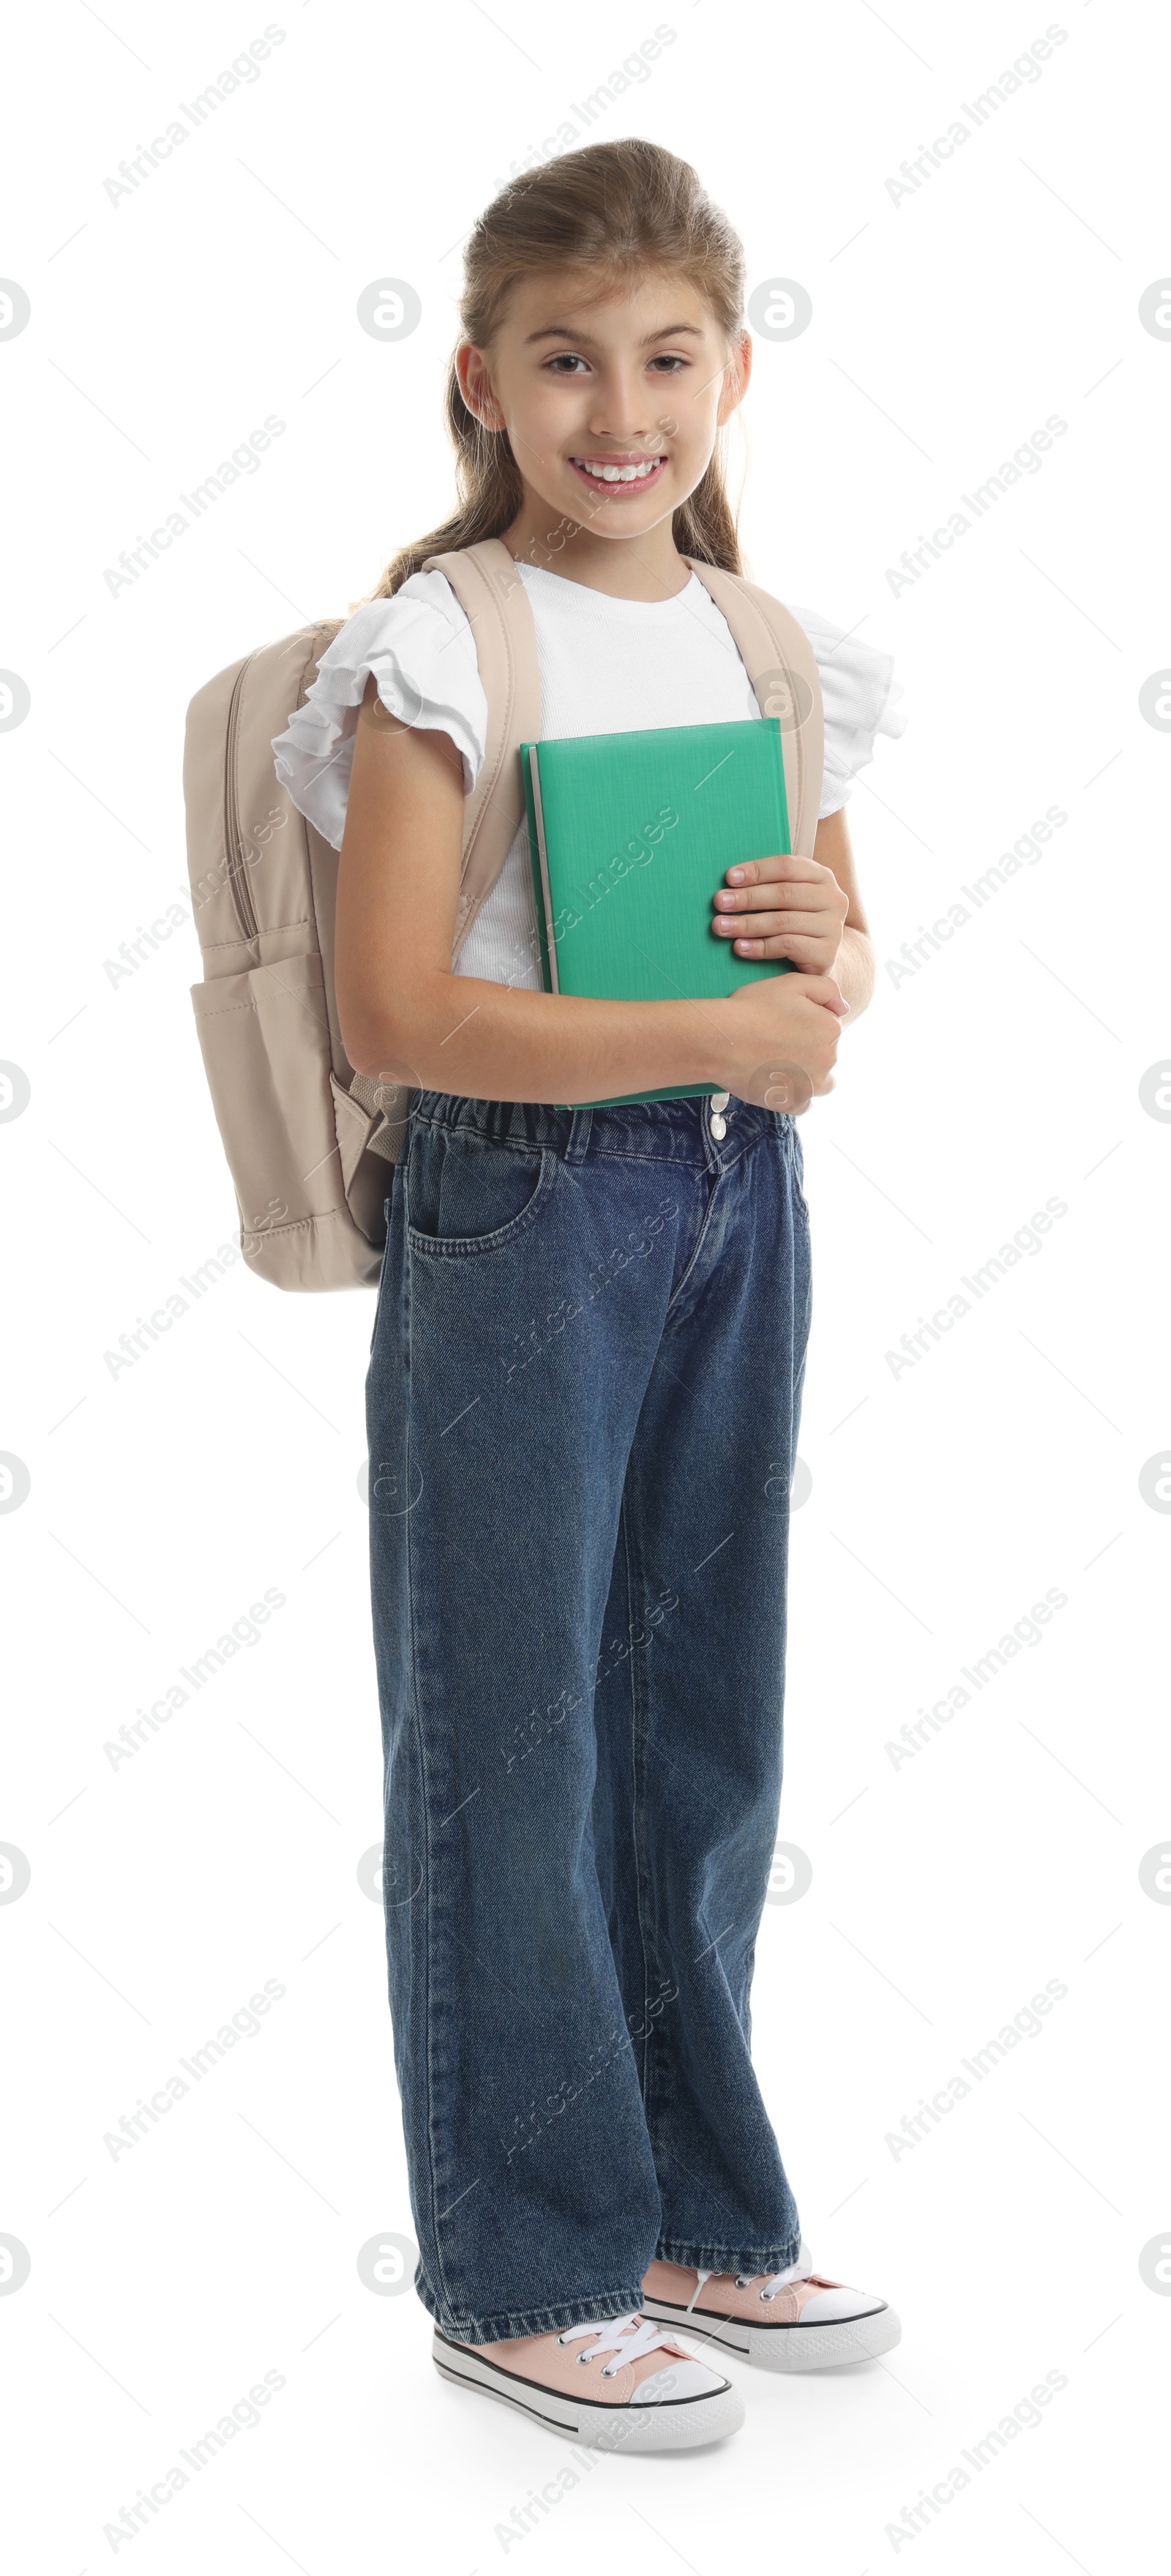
<point x="735" y="876"/>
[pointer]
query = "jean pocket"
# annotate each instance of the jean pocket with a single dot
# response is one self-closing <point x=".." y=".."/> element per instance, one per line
<point x="466" y="1193"/>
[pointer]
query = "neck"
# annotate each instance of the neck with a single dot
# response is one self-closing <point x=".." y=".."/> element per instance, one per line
<point x="643" y="567"/>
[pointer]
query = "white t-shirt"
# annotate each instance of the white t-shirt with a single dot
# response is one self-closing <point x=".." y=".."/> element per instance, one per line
<point x="606" y="666"/>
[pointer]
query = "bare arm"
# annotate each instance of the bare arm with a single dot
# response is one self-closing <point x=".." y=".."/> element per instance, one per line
<point x="854" y="967"/>
<point x="404" y="1013"/>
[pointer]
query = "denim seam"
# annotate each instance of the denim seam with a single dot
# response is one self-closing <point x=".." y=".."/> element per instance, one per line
<point x="673" y="1300"/>
<point x="594" y="1152"/>
<point x="789" y="1163"/>
<point x="690" y="1162"/>
<point x="728" y="2258"/>
<point x="637" y="1801"/>
<point x="597" y="2309"/>
<point x="503" y="1144"/>
<point x="429" y="1947"/>
<point x="788" y="1144"/>
<point x="653" y="1162"/>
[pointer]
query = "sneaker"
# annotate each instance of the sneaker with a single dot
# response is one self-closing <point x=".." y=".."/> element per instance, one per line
<point x="627" y="2386"/>
<point x="794" y="2320"/>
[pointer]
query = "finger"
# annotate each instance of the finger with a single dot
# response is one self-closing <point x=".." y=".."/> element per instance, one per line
<point x="811" y="956"/>
<point x="812" y="933"/>
<point x="769" y="871"/>
<point x="815" y="956"/>
<point x="768" y="924"/>
<point x="802" y="894"/>
<point x="822" y="991"/>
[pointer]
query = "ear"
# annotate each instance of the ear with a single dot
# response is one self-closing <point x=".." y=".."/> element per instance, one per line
<point x="475" y="385"/>
<point x="736" y="377"/>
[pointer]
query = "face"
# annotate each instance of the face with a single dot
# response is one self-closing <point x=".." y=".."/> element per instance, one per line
<point x="611" y="407"/>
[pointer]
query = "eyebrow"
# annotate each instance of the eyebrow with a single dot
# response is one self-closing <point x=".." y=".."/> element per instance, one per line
<point x="561" y="331"/>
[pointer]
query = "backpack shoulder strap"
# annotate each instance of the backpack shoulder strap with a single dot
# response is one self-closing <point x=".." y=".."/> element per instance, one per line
<point x="778" y="658"/>
<point x="491" y="593"/>
<point x="776" y="653"/>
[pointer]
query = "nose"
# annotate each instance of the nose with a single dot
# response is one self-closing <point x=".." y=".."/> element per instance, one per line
<point x="623" y="412"/>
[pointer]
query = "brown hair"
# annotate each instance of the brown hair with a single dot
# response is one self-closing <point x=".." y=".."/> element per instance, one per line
<point x="614" y="209"/>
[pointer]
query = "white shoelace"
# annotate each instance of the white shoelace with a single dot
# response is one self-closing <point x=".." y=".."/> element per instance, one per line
<point x="616" y="2336"/>
<point x="798" y="2271"/>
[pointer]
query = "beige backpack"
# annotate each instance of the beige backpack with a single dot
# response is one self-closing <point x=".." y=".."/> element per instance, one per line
<point x="309" y="1142"/>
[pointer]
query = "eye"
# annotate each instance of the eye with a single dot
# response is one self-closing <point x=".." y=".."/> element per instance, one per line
<point x="566" y="358"/>
<point x="672" y="362"/>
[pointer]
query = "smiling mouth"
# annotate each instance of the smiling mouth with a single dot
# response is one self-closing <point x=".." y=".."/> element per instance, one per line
<point x="618" y="475"/>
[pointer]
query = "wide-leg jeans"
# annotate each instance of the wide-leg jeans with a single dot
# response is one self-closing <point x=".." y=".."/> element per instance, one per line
<point x="583" y="1397"/>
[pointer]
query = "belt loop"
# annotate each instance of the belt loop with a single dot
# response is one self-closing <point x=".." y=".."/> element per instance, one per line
<point x="579" y="1136"/>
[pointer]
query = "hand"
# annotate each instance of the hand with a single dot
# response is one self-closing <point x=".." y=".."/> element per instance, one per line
<point x="775" y="1040"/>
<point x="783" y="907"/>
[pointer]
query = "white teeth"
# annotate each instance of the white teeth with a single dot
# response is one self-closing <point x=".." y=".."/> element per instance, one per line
<point x="618" y="473"/>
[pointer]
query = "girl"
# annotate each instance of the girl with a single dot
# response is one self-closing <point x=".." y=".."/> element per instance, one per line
<point x="587" y="1361"/>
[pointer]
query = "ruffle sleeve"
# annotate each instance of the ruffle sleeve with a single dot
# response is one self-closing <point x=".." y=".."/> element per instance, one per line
<point x="861" y="699"/>
<point x="422" y="652"/>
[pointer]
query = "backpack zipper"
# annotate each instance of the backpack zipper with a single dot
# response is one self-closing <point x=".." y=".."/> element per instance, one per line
<point x="233" y="848"/>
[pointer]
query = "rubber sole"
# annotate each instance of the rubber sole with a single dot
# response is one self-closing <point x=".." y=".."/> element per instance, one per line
<point x="787" y="2347"/>
<point x="680" y="2424"/>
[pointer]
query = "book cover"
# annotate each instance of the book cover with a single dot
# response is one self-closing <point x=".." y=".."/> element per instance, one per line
<point x="630" y="835"/>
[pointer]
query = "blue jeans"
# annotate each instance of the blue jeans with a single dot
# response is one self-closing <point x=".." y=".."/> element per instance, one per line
<point x="583" y="1396"/>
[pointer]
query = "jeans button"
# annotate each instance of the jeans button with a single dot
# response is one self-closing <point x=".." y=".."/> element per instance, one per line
<point x="718" y="1127"/>
<point x="720" y="1099"/>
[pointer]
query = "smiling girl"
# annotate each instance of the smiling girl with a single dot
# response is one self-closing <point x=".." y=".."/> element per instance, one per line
<point x="588" y="1354"/>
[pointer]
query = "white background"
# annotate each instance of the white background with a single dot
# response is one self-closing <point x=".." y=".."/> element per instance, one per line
<point x="946" y="328"/>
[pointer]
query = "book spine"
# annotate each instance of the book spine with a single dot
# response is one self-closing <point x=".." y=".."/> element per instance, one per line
<point x="543" y="862"/>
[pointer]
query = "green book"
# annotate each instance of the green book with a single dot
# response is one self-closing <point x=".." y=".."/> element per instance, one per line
<point x="630" y="835"/>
